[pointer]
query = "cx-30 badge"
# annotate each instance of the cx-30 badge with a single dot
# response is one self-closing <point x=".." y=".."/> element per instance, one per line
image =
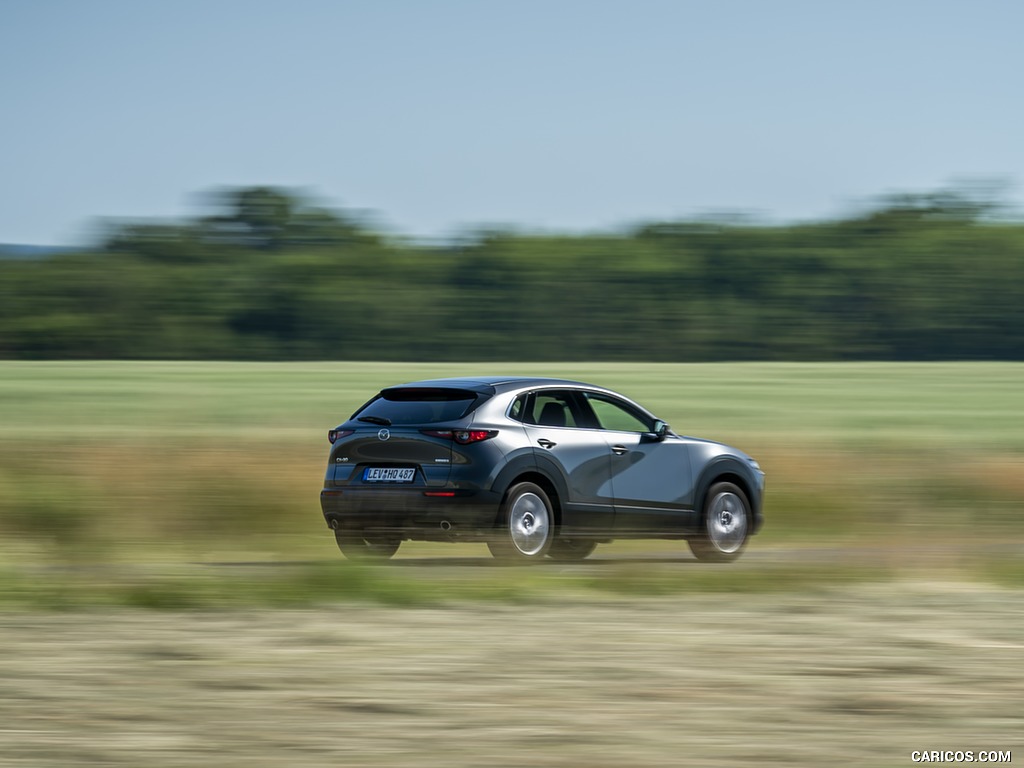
<point x="384" y="434"/>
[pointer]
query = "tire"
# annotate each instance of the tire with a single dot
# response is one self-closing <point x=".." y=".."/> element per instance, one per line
<point x="726" y="525"/>
<point x="356" y="546"/>
<point x="569" y="550"/>
<point x="526" y="528"/>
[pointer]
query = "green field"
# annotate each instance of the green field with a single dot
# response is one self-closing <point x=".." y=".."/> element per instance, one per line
<point x="920" y="405"/>
<point x="166" y="463"/>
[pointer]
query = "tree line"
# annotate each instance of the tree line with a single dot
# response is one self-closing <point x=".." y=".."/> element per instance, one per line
<point x="269" y="276"/>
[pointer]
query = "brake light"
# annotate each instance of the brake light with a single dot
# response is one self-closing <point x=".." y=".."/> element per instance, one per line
<point x="333" y="435"/>
<point x="467" y="436"/>
<point x="462" y="436"/>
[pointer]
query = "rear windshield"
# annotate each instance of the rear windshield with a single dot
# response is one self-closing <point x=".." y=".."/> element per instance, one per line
<point x="420" y="406"/>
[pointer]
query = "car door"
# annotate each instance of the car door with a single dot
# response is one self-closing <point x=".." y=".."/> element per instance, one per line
<point x="651" y="478"/>
<point x="564" y="447"/>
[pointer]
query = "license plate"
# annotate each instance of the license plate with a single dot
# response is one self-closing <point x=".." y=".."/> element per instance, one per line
<point x="389" y="475"/>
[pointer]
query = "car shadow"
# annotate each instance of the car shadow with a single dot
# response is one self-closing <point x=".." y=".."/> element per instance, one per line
<point x="490" y="562"/>
<point x="461" y="562"/>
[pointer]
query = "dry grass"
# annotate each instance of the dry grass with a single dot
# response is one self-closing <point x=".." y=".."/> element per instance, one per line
<point x="852" y="676"/>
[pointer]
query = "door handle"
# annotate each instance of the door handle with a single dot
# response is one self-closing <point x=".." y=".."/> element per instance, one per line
<point x="545" y="443"/>
<point x="618" y="450"/>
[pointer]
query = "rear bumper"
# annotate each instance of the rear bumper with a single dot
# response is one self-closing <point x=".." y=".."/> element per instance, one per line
<point x="412" y="514"/>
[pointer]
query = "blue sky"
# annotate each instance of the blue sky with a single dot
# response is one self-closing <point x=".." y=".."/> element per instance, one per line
<point x="441" y="116"/>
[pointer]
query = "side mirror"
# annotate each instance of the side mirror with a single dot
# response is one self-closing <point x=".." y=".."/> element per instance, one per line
<point x="661" y="429"/>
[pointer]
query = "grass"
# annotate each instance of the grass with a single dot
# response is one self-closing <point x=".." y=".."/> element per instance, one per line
<point x="129" y="464"/>
<point x="308" y="584"/>
<point x="311" y="584"/>
<point x="854" y="404"/>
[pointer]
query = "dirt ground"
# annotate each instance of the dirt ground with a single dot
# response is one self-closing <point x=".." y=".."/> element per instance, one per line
<point x="859" y="675"/>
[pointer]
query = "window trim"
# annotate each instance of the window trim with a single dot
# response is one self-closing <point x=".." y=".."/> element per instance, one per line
<point x="579" y="404"/>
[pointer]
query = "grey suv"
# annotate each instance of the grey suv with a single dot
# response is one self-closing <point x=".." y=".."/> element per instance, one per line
<point x="534" y="467"/>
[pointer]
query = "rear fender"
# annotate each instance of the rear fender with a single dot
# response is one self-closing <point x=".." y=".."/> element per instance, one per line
<point x="531" y="464"/>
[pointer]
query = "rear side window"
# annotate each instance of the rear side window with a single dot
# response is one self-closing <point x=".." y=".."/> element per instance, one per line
<point x="407" y="405"/>
<point x="548" y="408"/>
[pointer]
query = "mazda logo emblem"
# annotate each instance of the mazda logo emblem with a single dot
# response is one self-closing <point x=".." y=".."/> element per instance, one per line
<point x="384" y="434"/>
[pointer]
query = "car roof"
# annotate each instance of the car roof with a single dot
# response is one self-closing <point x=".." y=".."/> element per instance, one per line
<point x="494" y="383"/>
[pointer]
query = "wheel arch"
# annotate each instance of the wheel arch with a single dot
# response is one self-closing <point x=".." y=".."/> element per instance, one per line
<point x="531" y="473"/>
<point x="726" y="470"/>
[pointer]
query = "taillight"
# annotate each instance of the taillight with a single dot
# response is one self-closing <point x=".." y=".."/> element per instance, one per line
<point x="461" y="436"/>
<point x="467" y="436"/>
<point x="336" y="434"/>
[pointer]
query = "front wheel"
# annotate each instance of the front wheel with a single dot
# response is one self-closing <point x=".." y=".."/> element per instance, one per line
<point x="726" y="525"/>
<point x="357" y="546"/>
<point x="527" y="525"/>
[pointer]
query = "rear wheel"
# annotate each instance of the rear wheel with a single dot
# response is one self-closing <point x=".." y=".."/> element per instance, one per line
<point x="726" y="525"/>
<point x="527" y="525"/>
<point x="356" y="545"/>
<point x="571" y="549"/>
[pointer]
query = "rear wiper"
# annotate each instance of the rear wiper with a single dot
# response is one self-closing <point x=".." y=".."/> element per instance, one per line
<point x="375" y="420"/>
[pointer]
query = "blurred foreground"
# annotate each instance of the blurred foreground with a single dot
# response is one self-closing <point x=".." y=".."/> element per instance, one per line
<point x="853" y="676"/>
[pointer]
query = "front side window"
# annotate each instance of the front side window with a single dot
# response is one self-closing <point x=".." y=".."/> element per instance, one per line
<point x="616" y="415"/>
